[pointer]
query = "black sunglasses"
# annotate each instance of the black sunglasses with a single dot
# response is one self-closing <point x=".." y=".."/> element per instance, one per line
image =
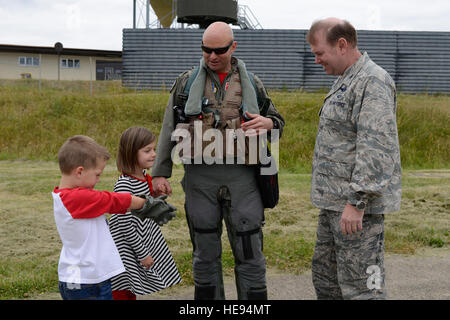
<point x="217" y="50"/>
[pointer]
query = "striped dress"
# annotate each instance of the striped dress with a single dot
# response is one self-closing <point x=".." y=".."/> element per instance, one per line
<point x="135" y="240"/>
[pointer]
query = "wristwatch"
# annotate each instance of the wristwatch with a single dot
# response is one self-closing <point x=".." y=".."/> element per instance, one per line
<point x="359" y="201"/>
<point x="361" y="205"/>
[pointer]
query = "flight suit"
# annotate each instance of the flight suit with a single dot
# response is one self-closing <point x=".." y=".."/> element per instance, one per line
<point x="216" y="192"/>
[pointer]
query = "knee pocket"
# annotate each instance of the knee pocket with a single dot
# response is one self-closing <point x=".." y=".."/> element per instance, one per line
<point x="249" y="244"/>
<point x="207" y="244"/>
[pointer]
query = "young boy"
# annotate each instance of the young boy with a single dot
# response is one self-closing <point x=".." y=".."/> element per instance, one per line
<point x="89" y="257"/>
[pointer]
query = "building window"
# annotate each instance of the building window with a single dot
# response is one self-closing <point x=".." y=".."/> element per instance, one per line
<point x="29" y="61"/>
<point x="70" y="63"/>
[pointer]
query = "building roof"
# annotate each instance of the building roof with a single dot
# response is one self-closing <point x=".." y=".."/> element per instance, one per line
<point x="65" y="51"/>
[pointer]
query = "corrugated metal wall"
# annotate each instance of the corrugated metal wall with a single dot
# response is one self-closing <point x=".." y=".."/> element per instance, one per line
<point x="417" y="61"/>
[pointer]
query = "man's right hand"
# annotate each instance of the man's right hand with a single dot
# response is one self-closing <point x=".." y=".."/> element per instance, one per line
<point x="161" y="186"/>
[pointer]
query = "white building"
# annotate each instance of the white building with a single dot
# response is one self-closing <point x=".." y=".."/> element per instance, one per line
<point x="19" y="62"/>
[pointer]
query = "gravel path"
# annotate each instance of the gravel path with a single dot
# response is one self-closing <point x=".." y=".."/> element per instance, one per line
<point x="424" y="276"/>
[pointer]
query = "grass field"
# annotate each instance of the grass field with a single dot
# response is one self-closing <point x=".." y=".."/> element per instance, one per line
<point x="35" y="123"/>
<point x="31" y="246"/>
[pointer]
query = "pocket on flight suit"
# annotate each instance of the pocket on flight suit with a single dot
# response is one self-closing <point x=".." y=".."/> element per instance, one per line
<point x="204" y="220"/>
<point x="247" y="215"/>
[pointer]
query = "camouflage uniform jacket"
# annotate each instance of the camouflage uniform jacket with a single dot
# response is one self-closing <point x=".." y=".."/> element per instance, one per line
<point x="357" y="154"/>
<point x="163" y="162"/>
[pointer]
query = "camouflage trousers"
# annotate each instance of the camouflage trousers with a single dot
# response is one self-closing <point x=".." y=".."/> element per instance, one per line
<point x="349" y="266"/>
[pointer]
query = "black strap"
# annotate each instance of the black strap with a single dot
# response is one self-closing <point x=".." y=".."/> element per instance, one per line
<point x="204" y="292"/>
<point x="247" y="233"/>
<point x="247" y="242"/>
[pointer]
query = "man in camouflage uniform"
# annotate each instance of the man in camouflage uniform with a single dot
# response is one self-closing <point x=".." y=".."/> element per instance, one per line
<point x="356" y="174"/>
<point x="216" y="192"/>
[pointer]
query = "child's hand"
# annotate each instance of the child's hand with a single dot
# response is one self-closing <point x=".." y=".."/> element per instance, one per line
<point x="163" y="190"/>
<point x="161" y="186"/>
<point x="147" y="262"/>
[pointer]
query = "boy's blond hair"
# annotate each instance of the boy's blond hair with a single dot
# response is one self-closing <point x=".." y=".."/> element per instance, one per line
<point x="81" y="151"/>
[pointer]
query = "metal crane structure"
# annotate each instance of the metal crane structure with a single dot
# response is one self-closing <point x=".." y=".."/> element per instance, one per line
<point x="192" y="14"/>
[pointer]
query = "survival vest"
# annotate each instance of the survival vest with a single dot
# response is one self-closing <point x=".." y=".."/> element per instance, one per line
<point x="226" y="117"/>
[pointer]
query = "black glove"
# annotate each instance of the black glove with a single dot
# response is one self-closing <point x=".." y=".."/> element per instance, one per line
<point x="155" y="208"/>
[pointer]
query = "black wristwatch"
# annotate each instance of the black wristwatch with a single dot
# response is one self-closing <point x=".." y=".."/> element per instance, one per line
<point x="360" y="205"/>
<point x="359" y="202"/>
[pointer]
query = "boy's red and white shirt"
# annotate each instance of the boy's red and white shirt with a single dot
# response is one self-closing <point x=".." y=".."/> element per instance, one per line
<point x="89" y="254"/>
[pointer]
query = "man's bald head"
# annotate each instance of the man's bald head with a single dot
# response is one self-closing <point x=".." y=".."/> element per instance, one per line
<point x="334" y="29"/>
<point x="218" y="31"/>
<point x="218" y="36"/>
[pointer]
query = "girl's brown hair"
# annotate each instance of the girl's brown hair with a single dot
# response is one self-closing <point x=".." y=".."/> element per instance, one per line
<point x="131" y="141"/>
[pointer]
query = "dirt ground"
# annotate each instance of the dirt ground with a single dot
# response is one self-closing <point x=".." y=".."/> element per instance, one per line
<point x="424" y="276"/>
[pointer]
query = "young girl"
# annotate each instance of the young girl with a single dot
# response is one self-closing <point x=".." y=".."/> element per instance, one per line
<point x="148" y="262"/>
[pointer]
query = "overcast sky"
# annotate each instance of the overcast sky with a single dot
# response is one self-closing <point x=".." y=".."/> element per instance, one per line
<point x="98" y="24"/>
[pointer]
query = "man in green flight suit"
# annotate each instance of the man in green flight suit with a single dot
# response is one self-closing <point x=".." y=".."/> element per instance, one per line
<point x="220" y="191"/>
